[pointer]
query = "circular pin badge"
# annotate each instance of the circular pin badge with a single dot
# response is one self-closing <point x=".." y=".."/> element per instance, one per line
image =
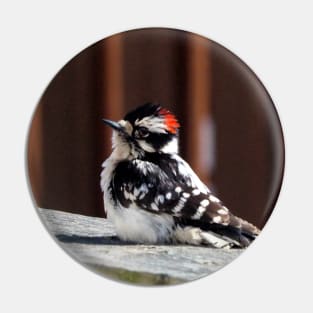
<point x="155" y="157"/>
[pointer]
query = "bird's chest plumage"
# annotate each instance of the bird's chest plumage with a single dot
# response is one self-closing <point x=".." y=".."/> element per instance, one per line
<point x="132" y="222"/>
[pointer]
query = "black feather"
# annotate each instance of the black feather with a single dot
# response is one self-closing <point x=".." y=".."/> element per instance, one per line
<point x="161" y="175"/>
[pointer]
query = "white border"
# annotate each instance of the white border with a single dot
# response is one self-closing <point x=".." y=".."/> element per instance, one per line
<point x="273" y="38"/>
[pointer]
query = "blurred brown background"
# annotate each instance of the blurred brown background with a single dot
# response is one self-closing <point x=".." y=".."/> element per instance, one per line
<point x="230" y="131"/>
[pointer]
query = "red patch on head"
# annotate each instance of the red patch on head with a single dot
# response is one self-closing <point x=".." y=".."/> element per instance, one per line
<point x="170" y="120"/>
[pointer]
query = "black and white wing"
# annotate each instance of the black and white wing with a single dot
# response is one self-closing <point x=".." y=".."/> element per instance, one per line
<point x="168" y="185"/>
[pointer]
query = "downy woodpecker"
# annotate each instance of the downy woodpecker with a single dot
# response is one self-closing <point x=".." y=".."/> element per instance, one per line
<point x="151" y="194"/>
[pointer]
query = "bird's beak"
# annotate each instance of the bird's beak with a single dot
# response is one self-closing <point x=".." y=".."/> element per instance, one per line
<point x="115" y="126"/>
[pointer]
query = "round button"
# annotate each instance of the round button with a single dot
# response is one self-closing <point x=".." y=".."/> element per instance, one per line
<point x="155" y="156"/>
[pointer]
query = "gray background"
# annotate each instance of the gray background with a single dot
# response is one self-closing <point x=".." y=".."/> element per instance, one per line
<point x="273" y="38"/>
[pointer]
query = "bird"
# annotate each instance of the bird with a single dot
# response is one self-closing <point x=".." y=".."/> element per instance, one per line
<point x="151" y="194"/>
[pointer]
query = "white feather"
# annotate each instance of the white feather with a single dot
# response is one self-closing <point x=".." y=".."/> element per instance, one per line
<point x="171" y="147"/>
<point x="135" y="224"/>
<point x="185" y="169"/>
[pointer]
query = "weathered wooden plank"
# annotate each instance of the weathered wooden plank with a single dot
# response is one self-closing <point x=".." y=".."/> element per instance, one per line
<point x="92" y="242"/>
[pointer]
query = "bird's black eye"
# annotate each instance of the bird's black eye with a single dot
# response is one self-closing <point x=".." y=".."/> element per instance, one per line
<point x="141" y="132"/>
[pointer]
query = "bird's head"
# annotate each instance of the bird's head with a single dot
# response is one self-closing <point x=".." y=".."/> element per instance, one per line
<point x="148" y="128"/>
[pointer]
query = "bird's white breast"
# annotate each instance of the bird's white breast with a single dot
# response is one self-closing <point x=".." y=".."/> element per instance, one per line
<point x="133" y="223"/>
